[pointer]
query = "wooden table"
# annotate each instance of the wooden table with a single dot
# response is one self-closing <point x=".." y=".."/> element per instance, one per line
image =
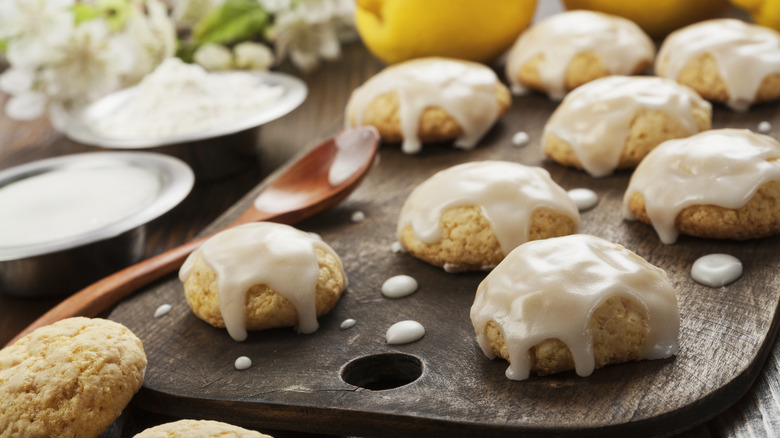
<point x="757" y="414"/>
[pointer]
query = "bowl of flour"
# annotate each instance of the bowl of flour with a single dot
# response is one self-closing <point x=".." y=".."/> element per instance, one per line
<point x="208" y="119"/>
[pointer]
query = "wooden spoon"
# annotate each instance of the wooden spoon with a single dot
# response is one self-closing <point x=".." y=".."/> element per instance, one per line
<point x="317" y="180"/>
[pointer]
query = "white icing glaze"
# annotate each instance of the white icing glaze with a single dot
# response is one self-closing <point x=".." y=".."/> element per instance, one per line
<point x="716" y="270"/>
<point x="465" y="90"/>
<point x="744" y="53"/>
<point x="595" y="118"/>
<point x="520" y="138"/>
<point x="347" y="323"/>
<point x="357" y="217"/>
<point x="163" y="309"/>
<point x="722" y="167"/>
<point x="507" y="193"/>
<point x="584" y="199"/>
<point x="399" y="286"/>
<point x="620" y="44"/>
<point x="549" y="288"/>
<point x="404" y="332"/>
<point x="279" y="256"/>
<point x="243" y="363"/>
<point x="764" y="127"/>
<point x="74" y="201"/>
<point x="396" y="247"/>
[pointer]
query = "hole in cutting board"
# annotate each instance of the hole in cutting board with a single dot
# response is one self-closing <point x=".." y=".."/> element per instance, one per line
<point x="382" y="371"/>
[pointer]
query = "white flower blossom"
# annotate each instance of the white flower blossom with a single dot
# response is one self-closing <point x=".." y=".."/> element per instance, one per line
<point x="214" y="57"/>
<point x="252" y="56"/>
<point x="28" y="105"/>
<point x="57" y="64"/>
<point x="90" y="64"/>
<point x="151" y="37"/>
<point x="33" y="27"/>
<point x="276" y="6"/>
<point x="311" y="31"/>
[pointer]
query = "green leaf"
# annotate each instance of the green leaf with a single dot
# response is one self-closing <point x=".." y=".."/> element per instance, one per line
<point x="83" y="12"/>
<point x="115" y="12"/>
<point x="234" y="20"/>
<point x="186" y="51"/>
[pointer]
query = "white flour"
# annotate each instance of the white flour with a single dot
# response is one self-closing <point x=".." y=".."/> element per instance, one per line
<point x="180" y="99"/>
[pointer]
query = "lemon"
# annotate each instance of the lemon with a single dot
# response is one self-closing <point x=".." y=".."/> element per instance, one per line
<point x="397" y="30"/>
<point x="657" y="17"/>
<point x="763" y="12"/>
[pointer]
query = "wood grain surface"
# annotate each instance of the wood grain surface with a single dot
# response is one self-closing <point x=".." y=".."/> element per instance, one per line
<point x="295" y="382"/>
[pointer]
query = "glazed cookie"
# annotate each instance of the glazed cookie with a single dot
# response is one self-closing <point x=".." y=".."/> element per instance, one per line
<point x="199" y="429"/>
<point x="575" y="302"/>
<point x="72" y="378"/>
<point x="262" y="275"/>
<point x="430" y="100"/>
<point x="613" y="122"/>
<point x="720" y="184"/>
<point x="724" y="60"/>
<point x="566" y="50"/>
<point x="468" y="217"/>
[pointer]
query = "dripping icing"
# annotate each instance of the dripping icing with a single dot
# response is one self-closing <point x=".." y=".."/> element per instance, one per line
<point x="595" y="119"/>
<point x="279" y="256"/>
<point x="722" y="167"/>
<point x="507" y="193"/>
<point x="620" y="44"/>
<point x="744" y="54"/>
<point x="539" y="292"/>
<point x="465" y="90"/>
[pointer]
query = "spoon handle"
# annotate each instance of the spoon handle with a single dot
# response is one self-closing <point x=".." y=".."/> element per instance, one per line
<point x="104" y="293"/>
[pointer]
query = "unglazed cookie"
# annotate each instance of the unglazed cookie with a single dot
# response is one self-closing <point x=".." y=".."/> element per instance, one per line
<point x="198" y="429"/>
<point x="468" y="217"/>
<point x="566" y="50"/>
<point x="72" y="378"/>
<point x="430" y="100"/>
<point x="574" y="302"/>
<point x="262" y="275"/>
<point x="720" y="184"/>
<point x="613" y="122"/>
<point x="724" y="60"/>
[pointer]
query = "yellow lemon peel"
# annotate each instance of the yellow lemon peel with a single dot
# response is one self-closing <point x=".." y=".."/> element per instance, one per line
<point x="658" y="17"/>
<point x="397" y="30"/>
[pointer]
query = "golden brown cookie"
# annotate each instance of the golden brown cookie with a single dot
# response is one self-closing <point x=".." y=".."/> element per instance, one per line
<point x="583" y="68"/>
<point x="469" y="216"/>
<point x="575" y="302"/>
<point x="619" y="328"/>
<point x="720" y="184"/>
<point x="262" y="275"/>
<point x="613" y="122"/>
<point x="469" y="243"/>
<point x="435" y="123"/>
<point x="724" y="60"/>
<point x="70" y="379"/>
<point x="198" y="429"/>
<point x="569" y="49"/>
<point x="264" y="307"/>
<point x="430" y="100"/>
<point x="760" y="217"/>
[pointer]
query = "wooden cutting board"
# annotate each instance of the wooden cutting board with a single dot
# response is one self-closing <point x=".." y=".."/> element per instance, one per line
<point x="295" y="382"/>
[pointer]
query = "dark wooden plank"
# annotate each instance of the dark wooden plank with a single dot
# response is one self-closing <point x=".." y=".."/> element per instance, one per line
<point x="295" y="381"/>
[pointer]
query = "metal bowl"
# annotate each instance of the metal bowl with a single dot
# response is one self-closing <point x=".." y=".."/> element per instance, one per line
<point x="212" y="153"/>
<point x="63" y="264"/>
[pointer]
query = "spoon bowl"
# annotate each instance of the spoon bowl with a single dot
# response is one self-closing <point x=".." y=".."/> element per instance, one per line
<point x="317" y="180"/>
